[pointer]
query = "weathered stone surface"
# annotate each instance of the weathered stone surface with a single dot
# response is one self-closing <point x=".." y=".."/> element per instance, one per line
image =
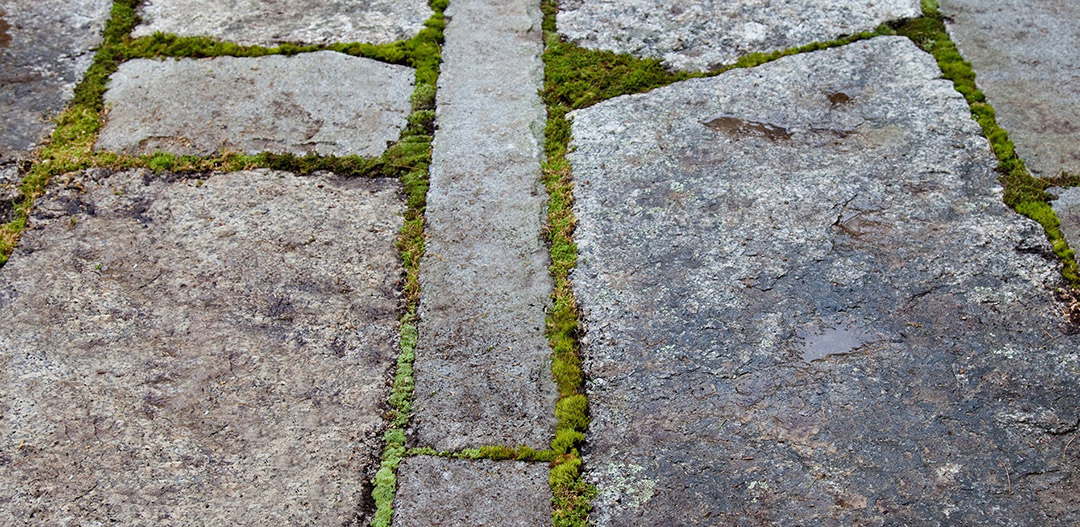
<point x="270" y="22"/>
<point x="1025" y="56"/>
<point x="483" y="365"/>
<point x="1067" y="208"/>
<point x="703" y="34"/>
<point x="325" y="102"/>
<point x="177" y="353"/>
<point x="9" y="190"/>
<point x="809" y="306"/>
<point x="45" y="47"/>
<point x="443" y="492"/>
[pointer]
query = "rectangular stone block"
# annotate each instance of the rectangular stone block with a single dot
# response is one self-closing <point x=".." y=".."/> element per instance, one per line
<point x="325" y="102"/>
<point x="211" y="351"/>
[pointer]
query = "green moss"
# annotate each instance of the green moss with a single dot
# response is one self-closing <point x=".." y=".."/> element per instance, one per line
<point x="1023" y="192"/>
<point x="495" y="453"/>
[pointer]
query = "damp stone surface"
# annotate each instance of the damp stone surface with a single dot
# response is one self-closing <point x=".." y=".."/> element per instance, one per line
<point x="326" y="102"/>
<point x="699" y="35"/>
<point x="271" y="22"/>
<point x="811" y="307"/>
<point x="436" y="491"/>
<point x="45" y="47"/>
<point x="212" y="350"/>
<point x="1025" y="57"/>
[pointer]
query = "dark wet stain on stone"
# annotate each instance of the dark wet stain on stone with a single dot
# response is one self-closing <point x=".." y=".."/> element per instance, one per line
<point x="5" y="36"/>
<point x="839" y="340"/>
<point x="735" y="126"/>
<point x="838" y="98"/>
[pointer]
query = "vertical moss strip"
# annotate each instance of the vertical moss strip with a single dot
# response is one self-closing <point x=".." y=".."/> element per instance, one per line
<point x="411" y="159"/>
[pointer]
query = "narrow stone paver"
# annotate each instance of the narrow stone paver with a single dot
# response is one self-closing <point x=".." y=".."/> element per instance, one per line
<point x="703" y="34"/>
<point x="198" y="351"/>
<point x="805" y="304"/>
<point x="271" y="22"/>
<point x="45" y="46"/>
<point x="483" y="365"/>
<point x="452" y="492"/>
<point x="1025" y="54"/>
<point x="325" y="102"/>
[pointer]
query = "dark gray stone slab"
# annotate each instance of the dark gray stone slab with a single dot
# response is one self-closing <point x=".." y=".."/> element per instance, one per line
<point x="270" y="22"/>
<point x="805" y="304"/>
<point x="1025" y="56"/>
<point x="483" y="365"/>
<point x="324" y="102"/>
<point x="177" y="352"/>
<point x="45" y="47"/>
<point x="703" y="34"/>
<point x="1067" y="208"/>
<point x="464" y="493"/>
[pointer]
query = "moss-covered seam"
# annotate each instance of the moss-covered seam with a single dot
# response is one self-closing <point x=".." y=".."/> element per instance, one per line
<point x="411" y="159"/>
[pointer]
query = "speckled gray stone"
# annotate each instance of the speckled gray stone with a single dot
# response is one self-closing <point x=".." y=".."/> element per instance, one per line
<point x="1067" y="208"/>
<point x="270" y="22"/>
<point x="10" y="179"/>
<point x="436" y="492"/>
<point x="45" y="47"/>
<point x="1025" y="55"/>
<point x="198" y="352"/>
<point x="700" y="35"/>
<point x="483" y="364"/>
<point x="809" y="306"/>
<point x="324" y="102"/>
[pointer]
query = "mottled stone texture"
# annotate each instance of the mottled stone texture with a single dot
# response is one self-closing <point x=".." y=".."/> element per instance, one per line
<point x="325" y="102"/>
<point x="9" y="190"/>
<point x="177" y="353"/>
<point x="1067" y="208"/>
<point x="45" y="47"/>
<point x="1025" y="55"/>
<point x="465" y="493"/>
<point x="704" y="34"/>
<point x="809" y="306"/>
<point x="270" y="22"/>
<point x="483" y="365"/>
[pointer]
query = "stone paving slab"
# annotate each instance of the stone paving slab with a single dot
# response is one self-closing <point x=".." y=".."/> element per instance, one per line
<point x="271" y="22"/>
<point x="45" y="47"/>
<point x="483" y="364"/>
<point x="700" y="35"/>
<point x="1067" y="208"/>
<point x="198" y="352"/>
<point x="1025" y="56"/>
<point x="436" y="491"/>
<point x="805" y="304"/>
<point x="324" y="102"/>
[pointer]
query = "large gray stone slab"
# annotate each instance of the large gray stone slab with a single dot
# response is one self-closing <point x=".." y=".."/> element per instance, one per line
<point x="805" y="304"/>
<point x="45" y="47"/>
<point x="700" y="35"/>
<point x="270" y="22"/>
<point x="483" y="365"/>
<point x="1067" y="208"/>
<point x="1025" y="57"/>
<point x="325" y="102"/>
<point x="10" y="179"/>
<point x="198" y="352"/>
<point x="436" y="491"/>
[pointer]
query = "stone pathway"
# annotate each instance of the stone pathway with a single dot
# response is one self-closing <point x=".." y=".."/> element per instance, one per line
<point x="802" y="297"/>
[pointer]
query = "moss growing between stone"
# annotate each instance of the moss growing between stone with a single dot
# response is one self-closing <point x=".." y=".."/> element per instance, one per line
<point x="409" y="160"/>
<point x="1023" y="192"/>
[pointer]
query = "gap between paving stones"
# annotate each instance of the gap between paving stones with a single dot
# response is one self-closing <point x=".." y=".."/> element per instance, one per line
<point x="71" y="146"/>
<point x="576" y="77"/>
